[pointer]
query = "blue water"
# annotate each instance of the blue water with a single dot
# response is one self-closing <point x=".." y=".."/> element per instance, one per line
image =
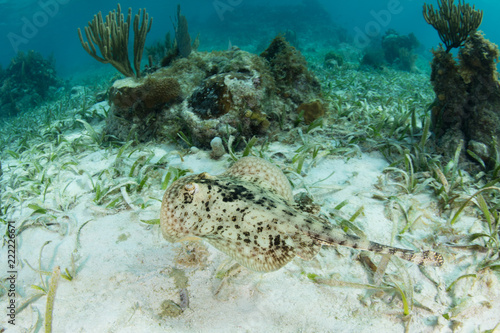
<point x="50" y="26"/>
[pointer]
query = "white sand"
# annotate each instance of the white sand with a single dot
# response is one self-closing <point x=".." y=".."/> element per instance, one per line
<point x="124" y="266"/>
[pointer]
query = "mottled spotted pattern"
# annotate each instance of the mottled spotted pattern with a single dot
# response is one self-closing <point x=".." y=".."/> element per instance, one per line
<point x="248" y="212"/>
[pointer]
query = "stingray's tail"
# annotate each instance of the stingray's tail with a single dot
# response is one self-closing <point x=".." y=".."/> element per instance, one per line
<point x="426" y="257"/>
<point x="334" y="236"/>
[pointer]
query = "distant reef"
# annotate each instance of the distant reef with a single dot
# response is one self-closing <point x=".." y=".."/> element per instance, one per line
<point x="28" y="80"/>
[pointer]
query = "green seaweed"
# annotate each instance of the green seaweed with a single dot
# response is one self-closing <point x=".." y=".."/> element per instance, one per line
<point x="462" y="207"/>
<point x="458" y="279"/>
<point x="51" y="295"/>
<point x="172" y="175"/>
<point x="97" y="138"/>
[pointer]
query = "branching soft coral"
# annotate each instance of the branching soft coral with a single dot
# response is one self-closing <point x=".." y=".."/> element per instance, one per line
<point x="454" y="23"/>
<point x="111" y="37"/>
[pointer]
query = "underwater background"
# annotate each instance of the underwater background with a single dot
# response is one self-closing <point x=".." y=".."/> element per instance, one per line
<point x="346" y="115"/>
<point x="56" y="33"/>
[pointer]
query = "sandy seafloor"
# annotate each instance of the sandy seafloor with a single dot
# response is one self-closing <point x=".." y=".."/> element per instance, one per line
<point x="124" y="266"/>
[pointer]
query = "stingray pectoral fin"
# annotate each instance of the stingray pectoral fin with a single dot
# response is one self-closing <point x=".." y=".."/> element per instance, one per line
<point x="188" y="238"/>
<point x="305" y="247"/>
<point x="252" y="257"/>
<point x="308" y="253"/>
<point x="262" y="173"/>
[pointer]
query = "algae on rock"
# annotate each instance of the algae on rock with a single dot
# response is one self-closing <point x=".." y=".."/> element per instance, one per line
<point x="136" y="103"/>
<point x="467" y="104"/>
<point x="289" y="68"/>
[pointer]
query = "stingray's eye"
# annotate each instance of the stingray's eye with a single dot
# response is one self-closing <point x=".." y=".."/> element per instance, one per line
<point x="191" y="188"/>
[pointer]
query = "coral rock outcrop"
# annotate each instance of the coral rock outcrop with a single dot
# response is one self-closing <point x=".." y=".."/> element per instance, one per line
<point x="467" y="104"/>
<point x="214" y="94"/>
